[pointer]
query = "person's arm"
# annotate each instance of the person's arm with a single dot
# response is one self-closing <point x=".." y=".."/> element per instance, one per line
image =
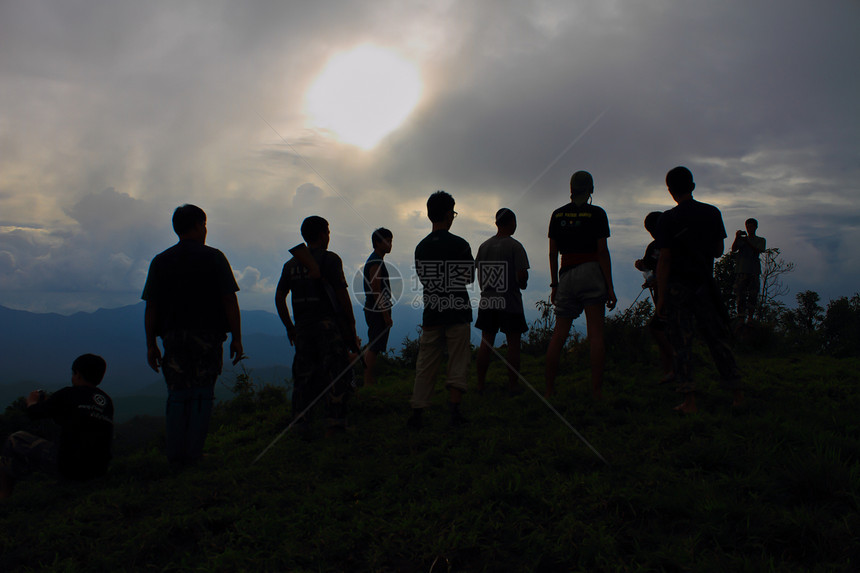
<point x="553" y="269"/>
<point x="719" y="247"/>
<point x="150" y="318"/>
<point x="740" y="236"/>
<point x="284" y="313"/>
<point x="234" y="321"/>
<point x="471" y="271"/>
<point x="523" y="278"/>
<point x="605" y="262"/>
<point x="664" y="264"/>
<point x="39" y="407"/>
<point x="345" y="303"/>
<point x="521" y="260"/>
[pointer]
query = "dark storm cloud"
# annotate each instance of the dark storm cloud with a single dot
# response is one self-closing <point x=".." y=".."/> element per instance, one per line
<point x="164" y="103"/>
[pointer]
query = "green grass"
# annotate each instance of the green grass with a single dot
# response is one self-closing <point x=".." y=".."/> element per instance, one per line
<point x="772" y="486"/>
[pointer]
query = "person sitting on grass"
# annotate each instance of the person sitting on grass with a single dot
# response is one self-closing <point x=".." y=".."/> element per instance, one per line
<point x="85" y="415"/>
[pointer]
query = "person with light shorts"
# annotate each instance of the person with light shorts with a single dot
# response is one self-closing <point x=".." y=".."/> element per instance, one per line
<point x="578" y="232"/>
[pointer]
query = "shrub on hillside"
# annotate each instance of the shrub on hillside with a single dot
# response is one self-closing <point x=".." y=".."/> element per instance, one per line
<point x="408" y="356"/>
<point x="540" y="332"/>
<point x="627" y="336"/>
<point x="841" y="327"/>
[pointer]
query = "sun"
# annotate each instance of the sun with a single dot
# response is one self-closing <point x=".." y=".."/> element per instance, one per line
<point x="363" y="95"/>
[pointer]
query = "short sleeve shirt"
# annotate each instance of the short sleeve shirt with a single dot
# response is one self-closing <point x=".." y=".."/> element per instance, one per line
<point x="445" y="266"/>
<point x="692" y="231"/>
<point x="372" y="300"/>
<point x="499" y="259"/>
<point x="577" y="230"/>
<point x="311" y="300"/>
<point x="85" y="416"/>
<point x="188" y="282"/>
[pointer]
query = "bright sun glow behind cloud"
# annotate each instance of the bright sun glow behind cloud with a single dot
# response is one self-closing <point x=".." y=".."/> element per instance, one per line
<point x="363" y="95"/>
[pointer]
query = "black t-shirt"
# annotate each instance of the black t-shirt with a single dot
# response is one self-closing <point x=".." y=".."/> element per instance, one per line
<point x="693" y="232"/>
<point x="85" y="416"/>
<point x="310" y="299"/>
<point x="376" y="301"/>
<point x="187" y="283"/>
<point x="577" y="229"/>
<point x="445" y="265"/>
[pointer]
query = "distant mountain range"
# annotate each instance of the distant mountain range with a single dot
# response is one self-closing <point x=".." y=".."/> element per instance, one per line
<point x="37" y="350"/>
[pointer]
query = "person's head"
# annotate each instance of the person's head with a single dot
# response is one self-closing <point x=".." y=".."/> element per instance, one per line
<point x="680" y="182"/>
<point x="381" y="239"/>
<point x="189" y="221"/>
<point x="651" y="221"/>
<point x="581" y="187"/>
<point x="315" y="231"/>
<point x="751" y="225"/>
<point x="90" y="367"/>
<point x="506" y="221"/>
<point x="440" y="207"/>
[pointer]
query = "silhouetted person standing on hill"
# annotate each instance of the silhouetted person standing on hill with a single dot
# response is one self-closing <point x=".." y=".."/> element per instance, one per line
<point x="578" y="231"/>
<point x="191" y="303"/>
<point x="747" y="247"/>
<point x="502" y="272"/>
<point x="377" y="301"/>
<point x="445" y="266"/>
<point x="324" y="328"/>
<point x="690" y="236"/>
<point x="85" y="415"/>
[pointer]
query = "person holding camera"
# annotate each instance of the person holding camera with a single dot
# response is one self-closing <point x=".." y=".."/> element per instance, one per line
<point x="84" y="413"/>
<point x="747" y="247"/>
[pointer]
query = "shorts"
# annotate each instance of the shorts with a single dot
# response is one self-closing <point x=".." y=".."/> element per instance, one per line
<point x="377" y="331"/>
<point x="581" y="286"/>
<point x="494" y="320"/>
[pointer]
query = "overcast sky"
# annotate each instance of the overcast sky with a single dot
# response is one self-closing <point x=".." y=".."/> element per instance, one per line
<point x="114" y="112"/>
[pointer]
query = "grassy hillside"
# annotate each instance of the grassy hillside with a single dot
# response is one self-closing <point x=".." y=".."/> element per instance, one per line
<point x="770" y="487"/>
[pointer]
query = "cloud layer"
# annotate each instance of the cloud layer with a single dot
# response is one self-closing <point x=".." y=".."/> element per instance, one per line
<point x="117" y="112"/>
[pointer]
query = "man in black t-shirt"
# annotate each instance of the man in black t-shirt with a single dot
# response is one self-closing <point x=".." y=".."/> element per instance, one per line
<point x="690" y="236"/>
<point x="323" y="330"/>
<point x="377" y="301"/>
<point x="191" y="303"/>
<point x="85" y="416"/>
<point x="445" y="267"/>
<point x="578" y="232"/>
